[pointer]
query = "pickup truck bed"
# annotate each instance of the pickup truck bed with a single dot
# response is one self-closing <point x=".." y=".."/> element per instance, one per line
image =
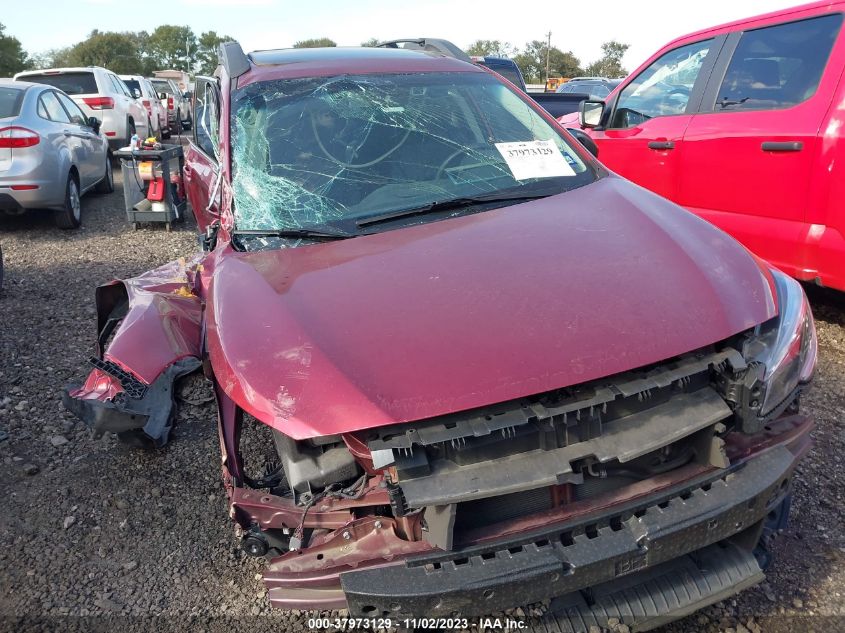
<point x="558" y="104"/>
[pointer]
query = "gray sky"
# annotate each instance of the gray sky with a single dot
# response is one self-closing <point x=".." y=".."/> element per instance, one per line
<point x="577" y="26"/>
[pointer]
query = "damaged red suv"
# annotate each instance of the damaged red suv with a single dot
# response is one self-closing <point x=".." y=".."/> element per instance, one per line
<point x="495" y="373"/>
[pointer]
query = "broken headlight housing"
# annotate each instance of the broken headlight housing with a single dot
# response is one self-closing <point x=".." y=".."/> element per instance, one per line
<point x="786" y="346"/>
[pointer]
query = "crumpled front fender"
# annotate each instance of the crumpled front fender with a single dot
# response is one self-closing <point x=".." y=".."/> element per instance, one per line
<point x="154" y="322"/>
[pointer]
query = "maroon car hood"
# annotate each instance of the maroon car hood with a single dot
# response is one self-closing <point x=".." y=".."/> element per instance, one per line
<point x="451" y="315"/>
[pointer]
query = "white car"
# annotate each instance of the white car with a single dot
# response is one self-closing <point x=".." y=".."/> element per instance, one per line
<point x="101" y="94"/>
<point x="144" y="91"/>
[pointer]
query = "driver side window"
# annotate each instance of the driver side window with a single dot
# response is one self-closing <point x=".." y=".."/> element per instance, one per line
<point x="662" y="89"/>
<point x="206" y="119"/>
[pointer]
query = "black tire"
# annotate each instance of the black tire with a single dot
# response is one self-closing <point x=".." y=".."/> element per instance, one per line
<point x="130" y="131"/>
<point x="150" y="128"/>
<point x="70" y="217"/>
<point x="106" y="185"/>
<point x="165" y="133"/>
<point x="1" y="267"/>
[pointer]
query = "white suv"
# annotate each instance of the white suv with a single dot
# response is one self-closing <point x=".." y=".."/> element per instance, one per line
<point x="101" y="94"/>
<point x="144" y="91"/>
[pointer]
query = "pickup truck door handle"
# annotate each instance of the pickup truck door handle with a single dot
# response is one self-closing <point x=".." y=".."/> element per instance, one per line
<point x="782" y="146"/>
<point x="661" y="145"/>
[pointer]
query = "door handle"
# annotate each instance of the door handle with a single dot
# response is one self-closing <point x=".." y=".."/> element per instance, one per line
<point x="661" y="145"/>
<point x="782" y="146"/>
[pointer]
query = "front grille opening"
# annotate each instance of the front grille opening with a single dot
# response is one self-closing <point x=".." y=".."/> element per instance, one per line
<point x="598" y="479"/>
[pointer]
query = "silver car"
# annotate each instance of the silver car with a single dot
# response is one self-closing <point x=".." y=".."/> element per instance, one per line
<point x="50" y="153"/>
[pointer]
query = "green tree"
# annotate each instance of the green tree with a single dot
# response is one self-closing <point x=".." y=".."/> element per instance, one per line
<point x="53" y="58"/>
<point x="532" y="62"/>
<point x="318" y="42"/>
<point x="494" y="48"/>
<point x="370" y="43"/>
<point x="13" y="58"/>
<point x="116" y="51"/>
<point x="168" y="47"/>
<point x="208" y="45"/>
<point x="610" y="64"/>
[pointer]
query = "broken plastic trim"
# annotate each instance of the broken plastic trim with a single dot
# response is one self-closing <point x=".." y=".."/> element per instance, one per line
<point x="147" y="420"/>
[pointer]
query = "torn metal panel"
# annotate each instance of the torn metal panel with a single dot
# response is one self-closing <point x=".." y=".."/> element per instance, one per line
<point x="154" y="323"/>
<point x="162" y="322"/>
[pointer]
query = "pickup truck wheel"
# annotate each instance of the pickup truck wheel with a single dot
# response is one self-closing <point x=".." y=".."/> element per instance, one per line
<point x="130" y="131"/>
<point x="70" y="217"/>
<point x="106" y="185"/>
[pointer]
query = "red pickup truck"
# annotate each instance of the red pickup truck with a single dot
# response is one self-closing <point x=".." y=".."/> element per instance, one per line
<point x="742" y="124"/>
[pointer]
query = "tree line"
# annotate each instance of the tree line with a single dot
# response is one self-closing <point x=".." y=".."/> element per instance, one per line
<point x="531" y="59"/>
<point x="127" y="52"/>
<point x="171" y="46"/>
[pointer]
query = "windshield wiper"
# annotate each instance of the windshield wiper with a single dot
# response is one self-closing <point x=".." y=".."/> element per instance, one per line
<point x="447" y="205"/>
<point x="322" y="233"/>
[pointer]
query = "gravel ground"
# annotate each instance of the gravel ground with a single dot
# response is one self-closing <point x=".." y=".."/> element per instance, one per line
<point x="97" y="535"/>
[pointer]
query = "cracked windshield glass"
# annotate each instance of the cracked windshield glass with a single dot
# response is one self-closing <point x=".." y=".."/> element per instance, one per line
<point x="341" y="152"/>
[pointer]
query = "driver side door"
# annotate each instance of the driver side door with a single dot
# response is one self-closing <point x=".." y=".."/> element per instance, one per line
<point x="643" y="128"/>
<point x="202" y="157"/>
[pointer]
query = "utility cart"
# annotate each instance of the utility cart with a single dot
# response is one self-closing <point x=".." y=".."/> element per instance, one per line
<point x="153" y="190"/>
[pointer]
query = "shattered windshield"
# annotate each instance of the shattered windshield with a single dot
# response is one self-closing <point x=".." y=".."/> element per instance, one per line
<point x="337" y="150"/>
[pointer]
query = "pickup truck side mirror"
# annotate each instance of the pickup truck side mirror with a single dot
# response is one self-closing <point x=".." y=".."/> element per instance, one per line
<point x="162" y="95"/>
<point x="94" y="124"/>
<point x="136" y="93"/>
<point x="591" y="113"/>
<point x="585" y="140"/>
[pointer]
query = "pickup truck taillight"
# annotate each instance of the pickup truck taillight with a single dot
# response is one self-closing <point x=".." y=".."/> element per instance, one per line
<point x="99" y="103"/>
<point x="16" y="137"/>
<point x="169" y="103"/>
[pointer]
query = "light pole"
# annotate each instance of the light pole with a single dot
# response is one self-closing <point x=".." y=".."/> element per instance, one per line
<point x="548" y="50"/>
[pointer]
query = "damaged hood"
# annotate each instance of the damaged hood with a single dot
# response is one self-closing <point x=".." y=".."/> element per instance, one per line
<point x="435" y="318"/>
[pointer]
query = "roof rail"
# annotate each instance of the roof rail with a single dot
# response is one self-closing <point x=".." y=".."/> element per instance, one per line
<point x="432" y="45"/>
<point x="233" y="59"/>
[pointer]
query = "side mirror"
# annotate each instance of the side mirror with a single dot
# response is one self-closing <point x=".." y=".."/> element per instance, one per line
<point x="162" y="95"/>
<point x="94" y="124"/>
<point x="136" y="93"/>
<point x="187" y="94"/>
<point x="585" y="140"/>
<point x="591" y="113"/>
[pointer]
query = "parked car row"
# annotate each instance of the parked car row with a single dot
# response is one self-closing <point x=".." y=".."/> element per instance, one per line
<point x="58" y="126"/>
<point x="101" y="94"/>
<point x="176" y="102"/>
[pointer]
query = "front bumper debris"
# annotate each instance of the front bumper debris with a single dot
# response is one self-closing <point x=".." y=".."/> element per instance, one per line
<point x="551" y="563"/>
<point x="142" y="413"/>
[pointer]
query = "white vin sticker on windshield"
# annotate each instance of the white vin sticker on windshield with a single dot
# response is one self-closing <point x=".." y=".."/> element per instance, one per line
<point x="534" y="159"/>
